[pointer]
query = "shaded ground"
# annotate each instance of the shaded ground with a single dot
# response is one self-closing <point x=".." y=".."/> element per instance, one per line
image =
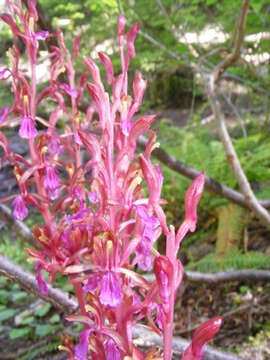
<point x="245" y="308"/>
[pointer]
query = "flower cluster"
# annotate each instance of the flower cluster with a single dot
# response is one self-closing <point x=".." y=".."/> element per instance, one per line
<point x="101" y="204"/>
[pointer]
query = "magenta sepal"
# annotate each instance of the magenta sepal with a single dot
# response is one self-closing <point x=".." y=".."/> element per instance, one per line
<point x="51" y="180"/>
<point x="3" y="72"/>
<point x="32" y="8"/>
<point x="8" y="19"/>
<point x="82" y="348"/>
<point x="27" y="128"/>
<point x="110" y="293"/>
<point x="20" y="211"/>
<point x="67" y="89"/>
<point x="76" y="45"/>
<point x="93" y="69"/>
<point x="121" y="25"/>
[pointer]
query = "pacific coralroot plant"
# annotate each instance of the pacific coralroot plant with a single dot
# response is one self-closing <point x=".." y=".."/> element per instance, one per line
<point x="102" y="216"/>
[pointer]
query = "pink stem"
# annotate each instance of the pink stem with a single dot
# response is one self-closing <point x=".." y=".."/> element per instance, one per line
<point x="80" y="296"/>
<point x="34" y="156"/>
<point x="168" y="328"/>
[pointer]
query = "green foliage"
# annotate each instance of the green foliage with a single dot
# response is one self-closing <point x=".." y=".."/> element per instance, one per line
<point x="19" y="296"/>
<point x="234" y="259"/>
<point x="13" y="249"/>
<point x="43" y="310"/>
<point x="4" y="296"/>
<point x="18" y="333"/>
<point x="6" y="314"/>
<point x="43" y="330"/>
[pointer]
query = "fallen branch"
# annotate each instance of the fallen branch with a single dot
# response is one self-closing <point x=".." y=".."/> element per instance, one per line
<point x="261" y="213"/>
<point x="232" y="275"/>
<point x="223" y="276"/>
<point x="62" y="301"/>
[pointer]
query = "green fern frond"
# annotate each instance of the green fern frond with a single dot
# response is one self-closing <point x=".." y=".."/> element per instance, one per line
<point x="233" y="260"/>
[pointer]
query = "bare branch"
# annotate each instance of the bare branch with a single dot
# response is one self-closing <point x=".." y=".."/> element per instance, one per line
<point x="62" y="301"/>
<point x="234" y="162"/>
<point x="231" y="58"/>
<point x="232" y="275"/>
<point x="223" y="276"/>
<point x="163" y="10"/>
<point x="237" y="114"/>
<point x="261" y="213"/>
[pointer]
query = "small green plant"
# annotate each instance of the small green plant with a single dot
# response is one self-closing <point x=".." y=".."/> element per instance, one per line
<point x="12" y="249"/>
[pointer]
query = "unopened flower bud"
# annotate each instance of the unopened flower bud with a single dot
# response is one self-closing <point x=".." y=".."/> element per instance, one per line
<point x="203" y="334"/>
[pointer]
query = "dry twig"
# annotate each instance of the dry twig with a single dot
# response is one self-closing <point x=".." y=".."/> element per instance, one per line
<point x="261" y="213"/>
